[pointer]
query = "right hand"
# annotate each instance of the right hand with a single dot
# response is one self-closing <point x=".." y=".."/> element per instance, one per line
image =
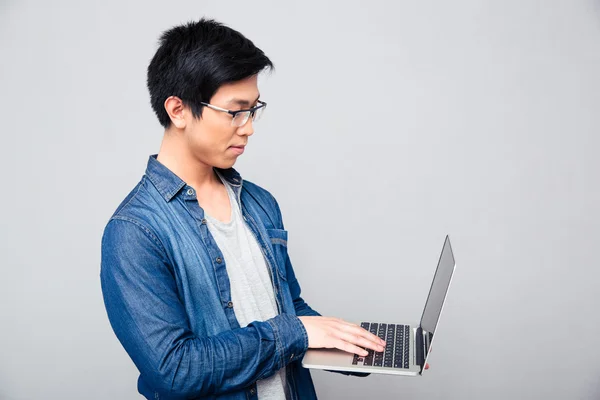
<point x="336" y="333"/>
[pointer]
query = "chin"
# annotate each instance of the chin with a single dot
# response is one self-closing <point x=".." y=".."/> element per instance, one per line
<point x="225" y="164"/>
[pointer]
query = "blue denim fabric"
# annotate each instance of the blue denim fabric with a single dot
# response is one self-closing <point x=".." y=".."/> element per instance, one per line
<point x="168" y="299"/>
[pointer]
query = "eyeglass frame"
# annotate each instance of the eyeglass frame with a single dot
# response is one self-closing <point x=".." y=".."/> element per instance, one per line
<point x="234" y="113"/>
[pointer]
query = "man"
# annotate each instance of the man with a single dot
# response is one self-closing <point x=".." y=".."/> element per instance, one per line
<point x="196" y="278"/>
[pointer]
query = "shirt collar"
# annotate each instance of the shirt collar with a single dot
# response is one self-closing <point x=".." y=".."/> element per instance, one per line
<point x="168" y="184"/>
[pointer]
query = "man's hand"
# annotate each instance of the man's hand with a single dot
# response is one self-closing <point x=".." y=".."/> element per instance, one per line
<point x="325" y="332"/>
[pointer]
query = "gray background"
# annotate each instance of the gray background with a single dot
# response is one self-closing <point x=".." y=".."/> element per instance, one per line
<point x="390" y="124"/>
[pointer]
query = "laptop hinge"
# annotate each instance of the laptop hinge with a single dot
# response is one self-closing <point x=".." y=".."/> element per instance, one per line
<point x="420" y="348"/>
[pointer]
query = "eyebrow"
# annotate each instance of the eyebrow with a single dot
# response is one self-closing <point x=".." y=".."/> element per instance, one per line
<point x="242" y="102"/>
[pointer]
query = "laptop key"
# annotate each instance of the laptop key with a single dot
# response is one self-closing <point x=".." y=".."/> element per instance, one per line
<point x="395" y="353"/>
<point x="382" y="331"/>
<point x="390" y="333"/>
<point x="373" y="328"/>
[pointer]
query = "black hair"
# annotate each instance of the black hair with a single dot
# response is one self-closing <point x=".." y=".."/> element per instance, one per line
<point x="195" y="59"/>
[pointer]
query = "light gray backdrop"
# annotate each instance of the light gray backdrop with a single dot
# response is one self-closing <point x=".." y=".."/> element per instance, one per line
<point x="390" y="124"/>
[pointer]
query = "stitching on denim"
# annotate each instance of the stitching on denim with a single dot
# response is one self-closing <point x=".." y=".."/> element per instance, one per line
<point x="162" y="189"/>
<point x="132" y="197"/>
<point x="259" y="202"/>
<point x="145" y="229"/>
<point x="304" y="334"/>
<point x="176" y="189"/>
<point x="278" y="345"/>
<point x="281" y="354"/>
<point x="156" y="184"/>
<point x="279" y="241"/>
<point x="268" y="248"/>
<point x="203" y="242"/>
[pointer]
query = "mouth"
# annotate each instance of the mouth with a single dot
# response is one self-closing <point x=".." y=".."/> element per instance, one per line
<point x="237" y="149"/>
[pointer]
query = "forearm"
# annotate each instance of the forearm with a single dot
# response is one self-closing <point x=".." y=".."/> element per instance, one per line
<point x="229" y="361"/>
<point x="178" y="364"/>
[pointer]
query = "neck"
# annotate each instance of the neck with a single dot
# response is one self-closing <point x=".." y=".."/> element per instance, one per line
<point x="175" y="155"/>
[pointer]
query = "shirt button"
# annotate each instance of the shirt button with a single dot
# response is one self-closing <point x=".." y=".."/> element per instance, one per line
<point x="190" y="192"/>
<point x="230" y="304"/>
<point x="203" y="221"/>
<point x="218" y="260"/>
<point x="252" y="391"/>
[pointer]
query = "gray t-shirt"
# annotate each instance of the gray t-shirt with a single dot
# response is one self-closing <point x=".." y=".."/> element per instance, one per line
<point x="251" y="287"/>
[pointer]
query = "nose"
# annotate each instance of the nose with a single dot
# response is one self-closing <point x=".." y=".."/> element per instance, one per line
<point x="247" y="129"/>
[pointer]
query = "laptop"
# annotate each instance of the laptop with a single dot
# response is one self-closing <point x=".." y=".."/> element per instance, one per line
<point x="407" y="346"/>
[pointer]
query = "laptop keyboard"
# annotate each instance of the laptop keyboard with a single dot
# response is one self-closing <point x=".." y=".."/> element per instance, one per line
<point x="395" y="354"/>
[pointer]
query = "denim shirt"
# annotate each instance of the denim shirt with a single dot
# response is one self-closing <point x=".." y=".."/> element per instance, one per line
<point x="168" y="299"/>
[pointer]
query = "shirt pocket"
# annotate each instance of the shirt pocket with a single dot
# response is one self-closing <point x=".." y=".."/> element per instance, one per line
<point x="278" y="239"/>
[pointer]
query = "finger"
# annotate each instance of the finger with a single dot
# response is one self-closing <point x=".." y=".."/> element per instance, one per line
<point x="350" y="348"/>
<point x="357" y="330"/>
<point x="369" y="336"/>
<point x="360" y="341"/>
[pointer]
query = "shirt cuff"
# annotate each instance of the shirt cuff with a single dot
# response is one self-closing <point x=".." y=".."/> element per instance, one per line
<point x="291" y="339"/>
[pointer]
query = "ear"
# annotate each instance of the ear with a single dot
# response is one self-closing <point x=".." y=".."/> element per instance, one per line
<point x="176" y="110"/>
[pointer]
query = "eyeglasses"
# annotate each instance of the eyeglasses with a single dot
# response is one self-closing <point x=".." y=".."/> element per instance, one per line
<point x="240" y="117"/>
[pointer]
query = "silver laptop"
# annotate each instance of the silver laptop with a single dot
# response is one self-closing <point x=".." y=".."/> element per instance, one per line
<point x="407" y="346"/>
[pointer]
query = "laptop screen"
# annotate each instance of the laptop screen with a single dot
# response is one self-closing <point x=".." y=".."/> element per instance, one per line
<point x="439" y="288"/>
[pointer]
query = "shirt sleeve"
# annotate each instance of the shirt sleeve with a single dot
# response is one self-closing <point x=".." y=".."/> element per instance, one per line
<point x="141" y="298"/>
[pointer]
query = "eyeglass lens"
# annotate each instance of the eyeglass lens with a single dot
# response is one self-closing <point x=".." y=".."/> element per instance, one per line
<point x="240" y="119"/>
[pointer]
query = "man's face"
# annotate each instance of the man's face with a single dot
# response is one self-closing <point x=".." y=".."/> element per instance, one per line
<point x="212" y="139"/>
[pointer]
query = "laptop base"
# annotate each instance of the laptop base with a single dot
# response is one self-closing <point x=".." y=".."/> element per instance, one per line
<point x="339" y="360"/>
